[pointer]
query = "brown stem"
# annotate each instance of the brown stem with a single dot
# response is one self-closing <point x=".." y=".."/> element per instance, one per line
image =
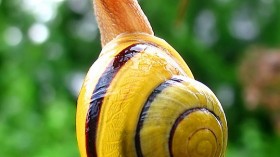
<point x="182" y="10"/>
<point x="120" y="16"/>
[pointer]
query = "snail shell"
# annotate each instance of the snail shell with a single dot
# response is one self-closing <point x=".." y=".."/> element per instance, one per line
<point x="140" y="99"/>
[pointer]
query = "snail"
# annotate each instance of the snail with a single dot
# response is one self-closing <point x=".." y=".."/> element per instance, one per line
<point x="140" y="98"/>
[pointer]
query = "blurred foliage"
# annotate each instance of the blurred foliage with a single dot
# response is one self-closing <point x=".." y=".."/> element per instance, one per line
<point x="47" y="46"/>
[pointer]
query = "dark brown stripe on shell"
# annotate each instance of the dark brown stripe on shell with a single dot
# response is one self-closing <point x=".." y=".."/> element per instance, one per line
<point x="146" y="107"/>
<point x="100" y="92"/>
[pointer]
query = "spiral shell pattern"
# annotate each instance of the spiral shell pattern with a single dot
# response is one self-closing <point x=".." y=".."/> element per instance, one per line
<point x="140" y="99"/>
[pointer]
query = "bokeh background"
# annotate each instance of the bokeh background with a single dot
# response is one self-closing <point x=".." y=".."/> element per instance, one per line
<point x="47" y="46"/>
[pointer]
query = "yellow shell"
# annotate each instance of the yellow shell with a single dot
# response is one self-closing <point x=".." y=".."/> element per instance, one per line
<point x="140" y="99"/>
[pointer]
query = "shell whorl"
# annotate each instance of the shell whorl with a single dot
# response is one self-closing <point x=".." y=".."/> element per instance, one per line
<point x="184" y="119"/>
<point x="140" y="99"/>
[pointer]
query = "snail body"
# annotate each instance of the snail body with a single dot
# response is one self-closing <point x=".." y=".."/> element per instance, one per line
<point x="139" y="98"/>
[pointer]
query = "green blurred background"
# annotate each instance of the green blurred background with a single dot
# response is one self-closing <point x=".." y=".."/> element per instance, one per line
<point x="47" y="46"/>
